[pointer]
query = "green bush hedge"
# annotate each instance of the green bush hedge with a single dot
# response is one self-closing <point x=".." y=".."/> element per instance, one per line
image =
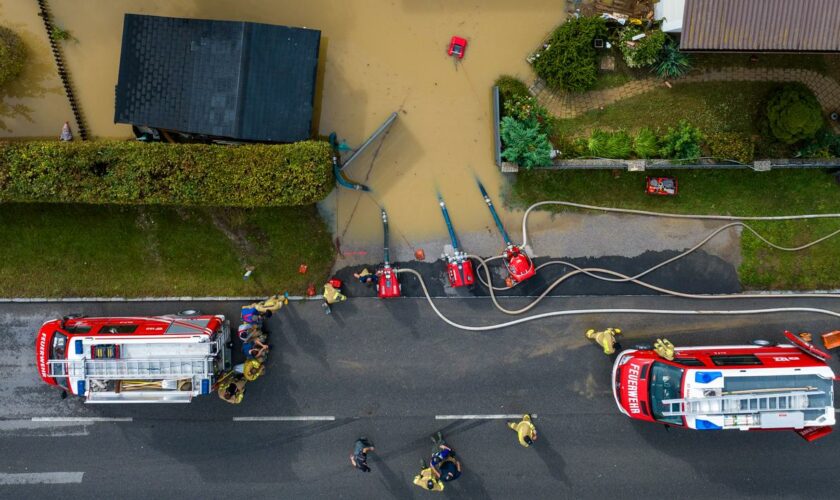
<point x="128" y="172"/>
<point x="524" y="143"/>
<point x="12" y="55"/>
<point x="646" y="144"/>
<point x="612" y="145"/>
<point x="570" y="62"/>
<point x="794" y="113"/>
<point x="682" y="143"/>
<point x="509" y="88"/>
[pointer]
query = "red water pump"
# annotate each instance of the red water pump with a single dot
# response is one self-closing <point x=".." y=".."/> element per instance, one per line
<point x="459" y="267"/>
<point x="518" y="264"/>
<point x="387" y="284"/>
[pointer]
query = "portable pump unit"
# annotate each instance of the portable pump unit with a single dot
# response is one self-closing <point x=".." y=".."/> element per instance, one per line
<point x="459" y="267"/>
<point x="387" y="284"/>
<point x="518" y="264"/>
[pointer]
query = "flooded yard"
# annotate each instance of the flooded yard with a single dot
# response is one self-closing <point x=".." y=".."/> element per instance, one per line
<point x="377" y="57"/>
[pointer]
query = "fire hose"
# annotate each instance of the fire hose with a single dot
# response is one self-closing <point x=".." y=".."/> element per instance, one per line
<point x="604" y="274"/>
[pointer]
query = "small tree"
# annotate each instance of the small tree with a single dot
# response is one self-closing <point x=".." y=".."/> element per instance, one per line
<point x="12" y="55"/>
<point x="570" y="62"/>
<point x="671" y="63"/>
<point x="524" y="143"/>
<point x="682" y="143"/>
<point x="794" y="114"/>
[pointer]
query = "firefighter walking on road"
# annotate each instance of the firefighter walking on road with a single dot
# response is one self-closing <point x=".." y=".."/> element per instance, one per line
<point x="605" y="339"/>
<point x="525" y="430"/>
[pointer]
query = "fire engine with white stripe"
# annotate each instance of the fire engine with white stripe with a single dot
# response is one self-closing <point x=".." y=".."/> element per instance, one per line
<point x="159" y="359"/>
<point x="745" y="387"/>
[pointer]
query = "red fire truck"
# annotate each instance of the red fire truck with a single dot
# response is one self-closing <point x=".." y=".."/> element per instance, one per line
<point x="161" y="359"/>
<point x="746" y="387"/>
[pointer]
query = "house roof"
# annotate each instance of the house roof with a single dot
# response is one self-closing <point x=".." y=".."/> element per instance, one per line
<point x="766" y="25"/>
<point x="237" y="80"/>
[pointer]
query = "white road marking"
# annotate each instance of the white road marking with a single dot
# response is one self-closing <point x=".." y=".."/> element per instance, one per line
<point x="284" y="419"/>
<point x="82" y="420"/>
<point x="482" y="417"/>
<point x="41" y="478"/>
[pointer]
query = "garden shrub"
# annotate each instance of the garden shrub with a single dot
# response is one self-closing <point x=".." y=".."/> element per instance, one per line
<point x="570" y="61"/>
<point x="671" y="63"/>
<point x="613" y="145"/>
<point x="646" y="144"/>
<point x="525" y="108"/>
<point x="129" y="172"/>
<point x="824" y="145"/>
<point x="644" y="51"/>
<point x="730" y="146"/>
<point x="510" y="87"/>
<point x="524" y="143"/>
<point x="12" y="55"/>
<point x="793" y="114"/>
<point x="682" y="142"/>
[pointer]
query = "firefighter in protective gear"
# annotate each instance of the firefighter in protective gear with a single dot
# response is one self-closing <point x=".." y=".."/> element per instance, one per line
<point x="233" y="392"/>
<point x="605" y="338"/>
<point x="525" y="430"/>
<point x="272" y="304"/>
<point x="333" y="294"/>
<point x="252" y="370"/>
<point x="664" y="348"/>
<point x="427" y="479"/>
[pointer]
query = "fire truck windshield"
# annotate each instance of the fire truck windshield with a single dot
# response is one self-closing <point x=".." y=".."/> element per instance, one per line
<point x="665" y="383"/>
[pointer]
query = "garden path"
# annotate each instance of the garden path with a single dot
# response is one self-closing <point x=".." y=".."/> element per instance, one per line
<point x="570" y="105"/>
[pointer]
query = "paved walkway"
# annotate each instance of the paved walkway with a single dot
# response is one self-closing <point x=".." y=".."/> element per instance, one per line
<point x="570" y="105"/>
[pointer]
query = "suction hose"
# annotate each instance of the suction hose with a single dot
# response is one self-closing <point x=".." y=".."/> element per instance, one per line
<point x="386" y="251"/>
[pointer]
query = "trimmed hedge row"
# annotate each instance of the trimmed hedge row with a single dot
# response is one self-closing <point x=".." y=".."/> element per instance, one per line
<point x="129" y="172"/>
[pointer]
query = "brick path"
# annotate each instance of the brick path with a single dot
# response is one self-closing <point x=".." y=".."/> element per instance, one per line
<point x="569" y="105"/>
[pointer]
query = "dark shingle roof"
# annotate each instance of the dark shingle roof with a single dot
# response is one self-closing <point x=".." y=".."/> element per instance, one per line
<point x="229" y="79"/>
<point x="766" y="25"/>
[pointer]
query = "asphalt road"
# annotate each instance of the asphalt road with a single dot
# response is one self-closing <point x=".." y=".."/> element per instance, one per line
<point x="389" y="370"/>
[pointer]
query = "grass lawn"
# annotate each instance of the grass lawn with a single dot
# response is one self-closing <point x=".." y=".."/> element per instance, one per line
<point x="735" y="192"/>
<point x="88" y="250"/>
<point x="711" y="106"/>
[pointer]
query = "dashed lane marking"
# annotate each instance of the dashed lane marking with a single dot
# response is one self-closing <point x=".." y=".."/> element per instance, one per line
<point x="82" y="420"/>
<point x="41" y="478"/>
<point x="323" y="418"/>
<point x="482" y="417"/>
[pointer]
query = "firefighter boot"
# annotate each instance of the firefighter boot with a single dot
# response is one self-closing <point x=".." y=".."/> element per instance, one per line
<point x="664" y="348"/>
<point x="605" y="339"/>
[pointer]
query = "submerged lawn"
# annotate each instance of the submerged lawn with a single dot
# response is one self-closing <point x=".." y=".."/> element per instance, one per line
<point x="728" y="192"/>
<point x="86" y="250"/>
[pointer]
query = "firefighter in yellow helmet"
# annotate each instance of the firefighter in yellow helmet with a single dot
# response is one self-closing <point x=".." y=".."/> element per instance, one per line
<point x="233" y="391"/>
<point x="605" y="339"/>
<point x="525" y="430"/>
<point x="428" y="478"/>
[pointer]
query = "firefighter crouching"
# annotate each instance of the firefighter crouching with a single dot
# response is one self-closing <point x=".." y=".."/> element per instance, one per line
<point x="605" y="339"/>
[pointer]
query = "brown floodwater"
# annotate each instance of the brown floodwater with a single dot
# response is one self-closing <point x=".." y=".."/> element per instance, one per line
<point x="377" y="57"/>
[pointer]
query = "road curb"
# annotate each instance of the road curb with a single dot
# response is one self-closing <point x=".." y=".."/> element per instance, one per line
<point x="300" y="298"/>
<point x="29" y="300"/>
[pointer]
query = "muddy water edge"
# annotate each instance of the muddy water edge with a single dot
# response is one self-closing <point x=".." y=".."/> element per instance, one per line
<point x="377" y="57"/>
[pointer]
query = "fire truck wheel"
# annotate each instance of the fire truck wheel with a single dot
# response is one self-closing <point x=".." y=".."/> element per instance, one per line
<point x="643" y="347"/>
<point x="760" y="342"/>
<point x="189" y="312"/>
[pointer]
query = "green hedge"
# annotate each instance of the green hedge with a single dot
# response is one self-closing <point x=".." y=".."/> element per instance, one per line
<point x="129" y="172"/>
